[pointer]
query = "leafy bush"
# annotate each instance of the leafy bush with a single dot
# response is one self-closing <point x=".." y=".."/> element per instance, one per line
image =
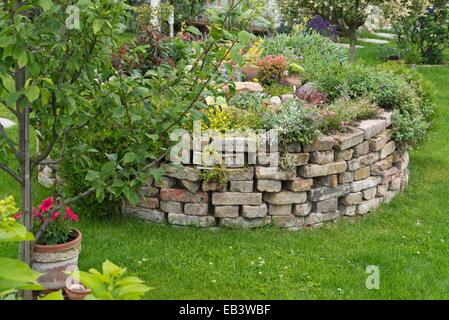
<point x="278" y="89"/>
<point x="323" y="27"/>
<point x="249" y="100"/>
<point x="409" y="129"/>
<point x="272" y="68"/>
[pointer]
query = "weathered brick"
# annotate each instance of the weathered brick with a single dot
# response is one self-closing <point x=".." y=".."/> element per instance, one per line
<point x="322" y="157"/>
<point x="197" y="221"/>
<point x="377" y="143"/>
<point x="387" y="116"/>
<point x="165" y="182"/>
<point x="362" y="173"/>
<point x="152" y="215"/>
<point x="346" y="177"/>
<point x="190" y="185"/>
<point x="181" y="172"/>
<point x="330" y="216"/>
<point x="329" y="205"/>
<point x="325" y="193"/>
<point x="314" y="218"/>
<point x="196" y="209"/>
<point x="236" y="198"/>
<point x="349" y="139"/>
<point x="285" y="197"/>
<point x="300" y="158"/>
<point x="327" y="181"/>
<point x="242" y="186"/>
<point x="390" y="174"/>
<point x="275" y="173"/>
<point x="149" y="202"/>
<point x="363" y="161"/>
<point x="373" y="127"/>
<point x="388" y="149"/>
<point x="302" y="209"/>
<point x="148" y="191"/>
<point x="316" y="170"/>
<point x="291" y="147"/>
<point x="245" y="223"/>
<point x="279" y="210"/>
<point x="367" y="206"/>
<point x="361" y="149"/>
<point x="269" y="185"/>
<point x="289" y="222"/>
<point x="213" y="186"/>
<point x="240" y="174"/>
<point x="252" y="212"/>
<point x="226" y="211"/>
<point x="370" y="193"/>
<point x="367" y="183"/>
<point x="300" y="185"/>
<point x="382" y="190"/>
<point x="171" y="206"/>
<point x="347" y="210"/>
<point x="182" y="195"/>
<point x="403" y="161"/>
<point x="323" y="143"/>
<point x="352" y="199"/>
<point x="344" y="155"/>
<point x="381" y="166"/>
<point x="395" y="184"/>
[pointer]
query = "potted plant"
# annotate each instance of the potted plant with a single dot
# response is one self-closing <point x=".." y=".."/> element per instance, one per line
<point x="293" y="78"/>
<point x="77" y="291"/>
<point x="57" y="244"/>
<point x="251" y="69"/>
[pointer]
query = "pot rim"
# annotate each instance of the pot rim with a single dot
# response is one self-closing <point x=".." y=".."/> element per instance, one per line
<point x="42" y="248"/>
<point x="86" y="291"/>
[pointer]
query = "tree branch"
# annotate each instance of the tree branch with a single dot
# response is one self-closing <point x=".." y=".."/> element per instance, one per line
<point x="11" y="172"/>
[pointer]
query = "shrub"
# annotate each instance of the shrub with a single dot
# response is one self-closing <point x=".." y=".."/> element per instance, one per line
<point x="278" y="89"/>
<point x="409" y="129"/>
<point x="249" y="100"/>
<point x="272" y="68"/>
<point x="323" y="27"/>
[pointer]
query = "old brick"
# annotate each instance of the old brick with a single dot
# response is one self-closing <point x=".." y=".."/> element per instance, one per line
<point x="302" y="209"/>
<point x="327" y="181"/>
<point x="182" y="195"/>
<point x="289" y="222"/>
<point x="165" y="182"/>
<point x="279" y="210"/>
<point x="236" y="198"/>
<point x="325" y="193"/>
<point x="316" y="170"/>
<point x="291" y="147"/>
<point x="190" y="185"/>
<point x="300" y="185"/>
<point x="363" y="161"/>
<point x="344" y="155"/>
<point x="322" y="157"/>
<point x="387" y="116"/>
<point x="381" y="166"/>
<point x="361" y="149"/>
<point x="324" y="143"/>
<point x="197" y="221"/>
<point x="314" y="218"/>
<point x="149" y="203"/>
<point x="152" y="215"/>
<point x="269" y="185"/>
<point x="382" y="190"/>
<point x="367" y="183"/>
<point x="255" y="211"/>
<point x="362" y="173"/>
<point x="352" y="199"/>
<point x="373" y="127"/>
<point x="300" y="158"/>
<point x="226" y="211"/>
<point x="275" y="173"/>
<point x="242" y="186"/>
<point x="395" y="184"/>
<point x="196" y="209"/>
<point x="210" y="186"/>
<point x="349" y="139"/>
<point x="377" y="143"/>
<point x="148" y="191"/>
<point x="285" y="197"/>
<point x="328" y="205"/>
<point x="390" y="174"/>
<point x="346" y="177"/>
<point x="181" y="172"/>
<point x="349" y="210"/>
<point x="367" y="206"/>
<point x="388" y="149"/>
<point x="245" y="223"/>
<point x="171" y="206"/>
<point x="370" y="193"/>
<point x="240" y="174"/>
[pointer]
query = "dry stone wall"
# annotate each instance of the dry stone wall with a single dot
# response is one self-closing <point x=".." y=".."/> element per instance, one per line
<point x="343" y="175"/>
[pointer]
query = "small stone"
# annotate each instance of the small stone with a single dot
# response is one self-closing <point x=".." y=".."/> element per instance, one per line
<point x="300" y="185"/>
<point x="324" y="143"/>
<point x="390" y="174"/>
<point x="377" y="143"/>
<point x="314" y="218"/>
<point x="252" y="212"/>
<point x="300" y="158"/>
<point x="329" y="205"/>
<point x="269" y="185"/>
<point x="325" y="193"/>
<point x="196" y="209"/>
<point x="387" y="116"/>
<point x="395" y="184"/>
<point x="382" y="190"/>
<point x="242" y="186"/>
<point x="148" y="191"/>
<point x="344" y="155"/>
<point x="403" y="162"/>
<point x="210" y="186"/>
<point x="182" y="195"/>
<point x="345" y="177"/>
<point x="361" y="149"/>
<point x="275" y="101"/>
<point x="365" y="184"/>
<point x="363" y="161"/>
<point x="286" y="97"/>
<point x="352" y="199"/>
<point x="381" y="166"/>
<point x="293" y="147"/>
<point x="236" y="198"/>
<point x="330" y="216"/>
<point x="285" y="197"/>
<point x="190" y="185"/>
<point x="171" y="207"/>
<point x="165" y="182"/>
<point x="248" y="87"/>
<point x="302" y="209"/>
<point x="197" y="221"/>
<point x="316" y="170"/>
<point x="181" y="172"/>
<point x="367" y="206"/>
<point x="280" y="210"/>
<point x="226" y="211"/>
<point x="149" y="203"/>
<point x="347" y="140"/>
<point x="373" y="127"/>
<point x="322" y="157"/>
<point x="288" y="222"/>
<point x="152" y="215"/>
<point x="274" y="173"/>
<point x="327" y="181"/>
<point x="362" y="173"/>
<point x="240" y="174"/>
<point x="370" y="193"/>
<point x="388" y="149"/>
<point x="349" y="210"/>
<point x="245" y="223"/>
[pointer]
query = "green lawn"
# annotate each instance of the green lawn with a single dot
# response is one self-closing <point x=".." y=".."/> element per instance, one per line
<point x="408" y="239"/>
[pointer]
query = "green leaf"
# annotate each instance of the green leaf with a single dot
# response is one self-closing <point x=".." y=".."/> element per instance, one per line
<point x="97" y="26"/>
<point x="32" y="93"/>
<point x="45" y="4"/>
<point x="92" y="176"/>
<point x="131" y="196"/>
<point x="245" y="37"/>
<point x="129" y="157"/>
<point x="8" y="82"/>
<point x="193" y="30"/>
<point x="57" y="295"/>
<point x="23" y="59"/>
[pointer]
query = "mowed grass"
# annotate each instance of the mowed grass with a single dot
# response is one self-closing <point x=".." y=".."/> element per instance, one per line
<point x="408" y="240"/>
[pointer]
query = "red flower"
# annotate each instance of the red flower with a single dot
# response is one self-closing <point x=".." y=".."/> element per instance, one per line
<point x="46" y="205"/>
<point x="55" y="215"/>
<point x="69" y="214"/>
<point x="37" y="213"/>
<point x="17" y="216"/>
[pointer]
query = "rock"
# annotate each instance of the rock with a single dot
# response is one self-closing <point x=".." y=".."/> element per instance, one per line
<point x="367" y="206"/>
<point x="370" y="193"/>
<point x="388" y="149"/>
<point x="248" y="87"/>
<point x="352" y="199"/>
<point x="236" y="198"/>
<point x="325" y="193"/>
<point x="226" y="211"/>
<point x="377" y="143"/>
<point x="285" y="197"/>
<point x="373" y="127"/>
<point x="165" y="182"/>
<point x="196" y="209"/>
<point x="210" y="186"/>
<point x="395" y="184"/>
<point x="344" y="155"/>
<point x="289" y="222"/>
<point x="280" y="210"/>
<point x="300" y="158"/>
<point x="302" y="209"/>
<point x="300" y="185"/>
<point x="152" y="215"/>
<point x="382" y="190"/>
<point x="403" y="162"/>
<point x="171" y="207"/>
<point x="349" y="211"/>
<point x="345" y="177"/>
<point x="275" y="173"/>
<point x="313" y="219"/>
<point x="185" y="220"/>
<point x="363" y="161"/>
<point x="387" y="116"/>
<point x="240" y="174"/>
<point x="361" y="149"/>
<point x="390" y="174"/>
<point x="315" y="170"/>
<point x="293" y="147"/>
<point x="324" y="143"/>
<point x="252" y="212"/>
<point x="362" y="173"/>
<point x="242" y="186"/>
<point x="329" y="205"/>
<point x="292" y="81"/>
<point x="326" y="181"/>
<point x="149" y="202"/>
<point x="381" y="166"/>
<point x="148" y="191"/>
<point x="349" y="139"/>
<point x="181" y="195"/>
<point x="245" y="223"/>
<point x="191" y="186"/>
<point x="287" y="97"/>
<point x="322" y="157"/>
<point x="275" y="101"/>
<point x="310" y="94"/>
<point x="365" y="184"/>
<point x="181" y="172"/>
<point x="269" y="185"/>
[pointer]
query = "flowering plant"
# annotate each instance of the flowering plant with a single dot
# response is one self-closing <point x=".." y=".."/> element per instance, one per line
<point x="273" y="68"/>
<point x="58" y="229"/>
<point x="323" y="27"/>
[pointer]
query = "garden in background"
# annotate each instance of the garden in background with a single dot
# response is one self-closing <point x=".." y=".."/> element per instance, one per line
<point x="90" y="118"/>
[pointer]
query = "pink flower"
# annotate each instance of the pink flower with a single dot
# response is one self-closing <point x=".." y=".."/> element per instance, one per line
<point x="46" y="205"/>
<point x="69" y="214"/>
<point x="37" y="213"/>
<point x="55" y="215"/>
<point x="17" y="216"/>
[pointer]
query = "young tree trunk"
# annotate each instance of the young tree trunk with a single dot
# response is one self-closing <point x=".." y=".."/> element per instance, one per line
<point x="352" y="46"/>
<point x="26" y="247"/>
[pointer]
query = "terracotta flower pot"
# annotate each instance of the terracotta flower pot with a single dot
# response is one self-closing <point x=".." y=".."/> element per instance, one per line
<point x="77" y="292"/>
<point x="251" y="72"/>
<point x="55" y="260"/>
